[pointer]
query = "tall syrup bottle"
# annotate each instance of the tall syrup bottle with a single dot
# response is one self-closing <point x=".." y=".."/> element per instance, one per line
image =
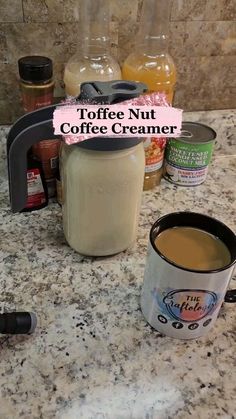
<point x="151" y="64"/>
<point x="93" y="60"/>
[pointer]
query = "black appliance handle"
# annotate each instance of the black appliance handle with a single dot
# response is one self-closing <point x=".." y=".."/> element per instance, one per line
<point x="36" y="126"/>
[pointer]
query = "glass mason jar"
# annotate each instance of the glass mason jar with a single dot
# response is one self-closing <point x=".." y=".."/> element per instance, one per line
<point x="101" y="198"/>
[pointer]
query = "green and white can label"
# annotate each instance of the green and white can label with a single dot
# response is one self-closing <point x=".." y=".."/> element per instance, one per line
<point x="187" y="158"/>
<point x="184" y="177"/>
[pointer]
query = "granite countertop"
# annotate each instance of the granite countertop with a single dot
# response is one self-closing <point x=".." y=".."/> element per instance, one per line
<point x="92" y="355"/>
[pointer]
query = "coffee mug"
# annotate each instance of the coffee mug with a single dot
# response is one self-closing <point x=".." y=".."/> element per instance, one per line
<point x="182" y="302"/>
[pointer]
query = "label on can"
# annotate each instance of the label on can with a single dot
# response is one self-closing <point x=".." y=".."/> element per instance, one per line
<point x="47" y="152"/>
<point x="188" y="155"/>
<point x="154" y="153"/>
<point x="184" y="177"/>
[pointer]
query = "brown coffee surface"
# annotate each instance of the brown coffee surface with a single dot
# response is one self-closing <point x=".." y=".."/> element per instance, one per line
<point x="193" y="248"/>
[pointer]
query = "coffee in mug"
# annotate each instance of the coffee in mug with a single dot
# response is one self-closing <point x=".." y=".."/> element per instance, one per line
<point x="190" y="262"/>
<point x="193" y="248"/>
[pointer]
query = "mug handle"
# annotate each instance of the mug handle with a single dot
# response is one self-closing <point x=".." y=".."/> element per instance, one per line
<point x="230" y="296"/>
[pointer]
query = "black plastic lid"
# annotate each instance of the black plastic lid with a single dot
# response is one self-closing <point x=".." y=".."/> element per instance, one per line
<point x="35" y="68"/>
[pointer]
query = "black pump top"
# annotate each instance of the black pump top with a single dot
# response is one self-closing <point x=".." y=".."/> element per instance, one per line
<point x="35" y="69"/>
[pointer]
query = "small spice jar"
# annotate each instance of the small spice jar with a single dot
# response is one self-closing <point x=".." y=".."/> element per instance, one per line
<point x="36" y="82"/>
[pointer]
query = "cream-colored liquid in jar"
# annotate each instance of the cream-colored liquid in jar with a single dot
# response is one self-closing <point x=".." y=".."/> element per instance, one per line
<point x="101" y="198"/>
<point x="193" y="248"/>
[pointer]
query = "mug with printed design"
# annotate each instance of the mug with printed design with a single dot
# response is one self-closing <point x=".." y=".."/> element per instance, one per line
<point x="190" y="261"/>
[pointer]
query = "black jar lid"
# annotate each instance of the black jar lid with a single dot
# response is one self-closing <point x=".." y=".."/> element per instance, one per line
<point x="35" y="68"/>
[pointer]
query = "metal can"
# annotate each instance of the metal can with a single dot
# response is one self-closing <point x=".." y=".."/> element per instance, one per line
<point x="187" y="157"/>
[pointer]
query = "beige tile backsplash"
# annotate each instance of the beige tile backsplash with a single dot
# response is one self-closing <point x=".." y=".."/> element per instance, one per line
<point x="202" y="42"/>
